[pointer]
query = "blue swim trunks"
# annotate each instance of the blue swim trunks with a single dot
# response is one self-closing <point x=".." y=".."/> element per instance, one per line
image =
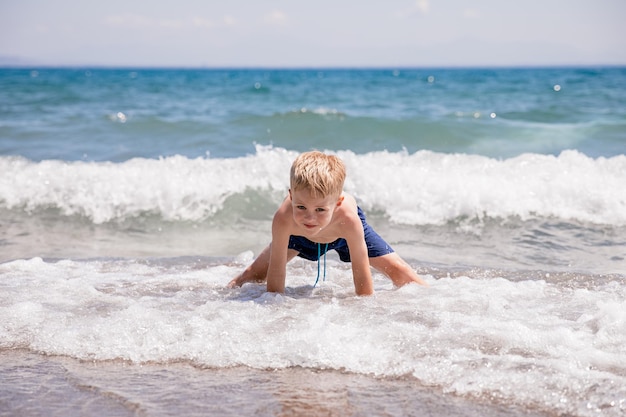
<point x="376" y="245"/>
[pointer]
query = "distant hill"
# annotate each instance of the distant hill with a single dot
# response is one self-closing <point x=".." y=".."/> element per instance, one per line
<point x="14" y="61"/>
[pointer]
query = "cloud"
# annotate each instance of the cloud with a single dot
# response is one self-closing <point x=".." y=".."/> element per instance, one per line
<point x="229" y="20"/>
<point x="276" y="17"/>
<point x="135" y="21"/>
<point x="201" y="22"/>
<point x="139" y="21"/>
<point x="471" y="14"/>
<point x="423" y="6"/>
<point x="420" y="7"/>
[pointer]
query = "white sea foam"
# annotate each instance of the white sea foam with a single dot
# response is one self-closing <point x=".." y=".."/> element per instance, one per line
<point x="432" y="188"/>
<point x="420" y="188"/>
<point x="530" y="342"/>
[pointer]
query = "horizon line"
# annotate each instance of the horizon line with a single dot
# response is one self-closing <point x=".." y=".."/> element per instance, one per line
<point x="308" y="67"/>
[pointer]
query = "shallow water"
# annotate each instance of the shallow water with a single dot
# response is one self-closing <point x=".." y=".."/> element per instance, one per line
<point x="551" y="343"/>
<point x="130" y="198"/>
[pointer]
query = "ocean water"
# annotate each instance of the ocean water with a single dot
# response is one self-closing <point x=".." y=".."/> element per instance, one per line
<point x="130" y="197"/>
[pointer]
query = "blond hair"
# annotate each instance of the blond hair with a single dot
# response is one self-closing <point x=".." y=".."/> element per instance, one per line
<point x="323" y="175"/>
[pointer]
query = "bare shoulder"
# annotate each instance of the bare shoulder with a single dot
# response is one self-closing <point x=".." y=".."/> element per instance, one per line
<point x="283" y="217"/>
<point x="347" y="217"/>
<point x="349" y="200"/>
<point x="348" y="207"/>
<point x="285" y="208"/>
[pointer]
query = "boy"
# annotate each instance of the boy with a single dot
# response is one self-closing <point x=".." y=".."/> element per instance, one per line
<point x="316" y="216"/>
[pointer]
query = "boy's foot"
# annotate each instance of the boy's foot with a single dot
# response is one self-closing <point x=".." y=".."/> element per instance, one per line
<point x="235" y="282"/>
<point x="240" y="280"/>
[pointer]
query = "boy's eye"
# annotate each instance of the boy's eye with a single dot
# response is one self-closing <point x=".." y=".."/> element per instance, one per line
<point x="319" y="209"/>
<point x="301" y="207"/>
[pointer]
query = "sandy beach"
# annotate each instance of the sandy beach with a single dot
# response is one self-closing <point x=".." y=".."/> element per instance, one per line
<point x="36" y="385"/>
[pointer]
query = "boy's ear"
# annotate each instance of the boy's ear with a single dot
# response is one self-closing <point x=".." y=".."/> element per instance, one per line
<point x="290" y="197"/>
<point x="340" y="201"/>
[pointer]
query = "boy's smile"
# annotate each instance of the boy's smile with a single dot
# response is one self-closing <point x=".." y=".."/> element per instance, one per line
<point x="312" y="213"/>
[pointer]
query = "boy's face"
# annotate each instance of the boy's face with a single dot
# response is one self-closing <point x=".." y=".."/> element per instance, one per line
<point x="312" y="214"/>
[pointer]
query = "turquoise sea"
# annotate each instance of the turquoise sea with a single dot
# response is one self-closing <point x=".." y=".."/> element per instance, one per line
<point x="130" y="197"/>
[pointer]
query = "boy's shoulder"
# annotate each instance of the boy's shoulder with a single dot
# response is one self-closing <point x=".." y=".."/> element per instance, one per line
<point x="348" y="203"/>
<point x="347" y="213"/>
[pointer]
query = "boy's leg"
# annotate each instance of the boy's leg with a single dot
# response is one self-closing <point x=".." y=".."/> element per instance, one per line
<point x="396" y="269"/>
<point x="257" y="271"/>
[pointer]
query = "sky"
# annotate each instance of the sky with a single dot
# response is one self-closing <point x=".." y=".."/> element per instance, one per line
<point x="321" y="33"/>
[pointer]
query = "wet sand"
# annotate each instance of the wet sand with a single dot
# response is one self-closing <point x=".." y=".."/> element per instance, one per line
<point x="37" y="385"/>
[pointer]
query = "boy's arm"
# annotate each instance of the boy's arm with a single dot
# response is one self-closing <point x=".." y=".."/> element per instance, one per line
<point x="361" y="272"/>
<point x="277" y="270"/>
